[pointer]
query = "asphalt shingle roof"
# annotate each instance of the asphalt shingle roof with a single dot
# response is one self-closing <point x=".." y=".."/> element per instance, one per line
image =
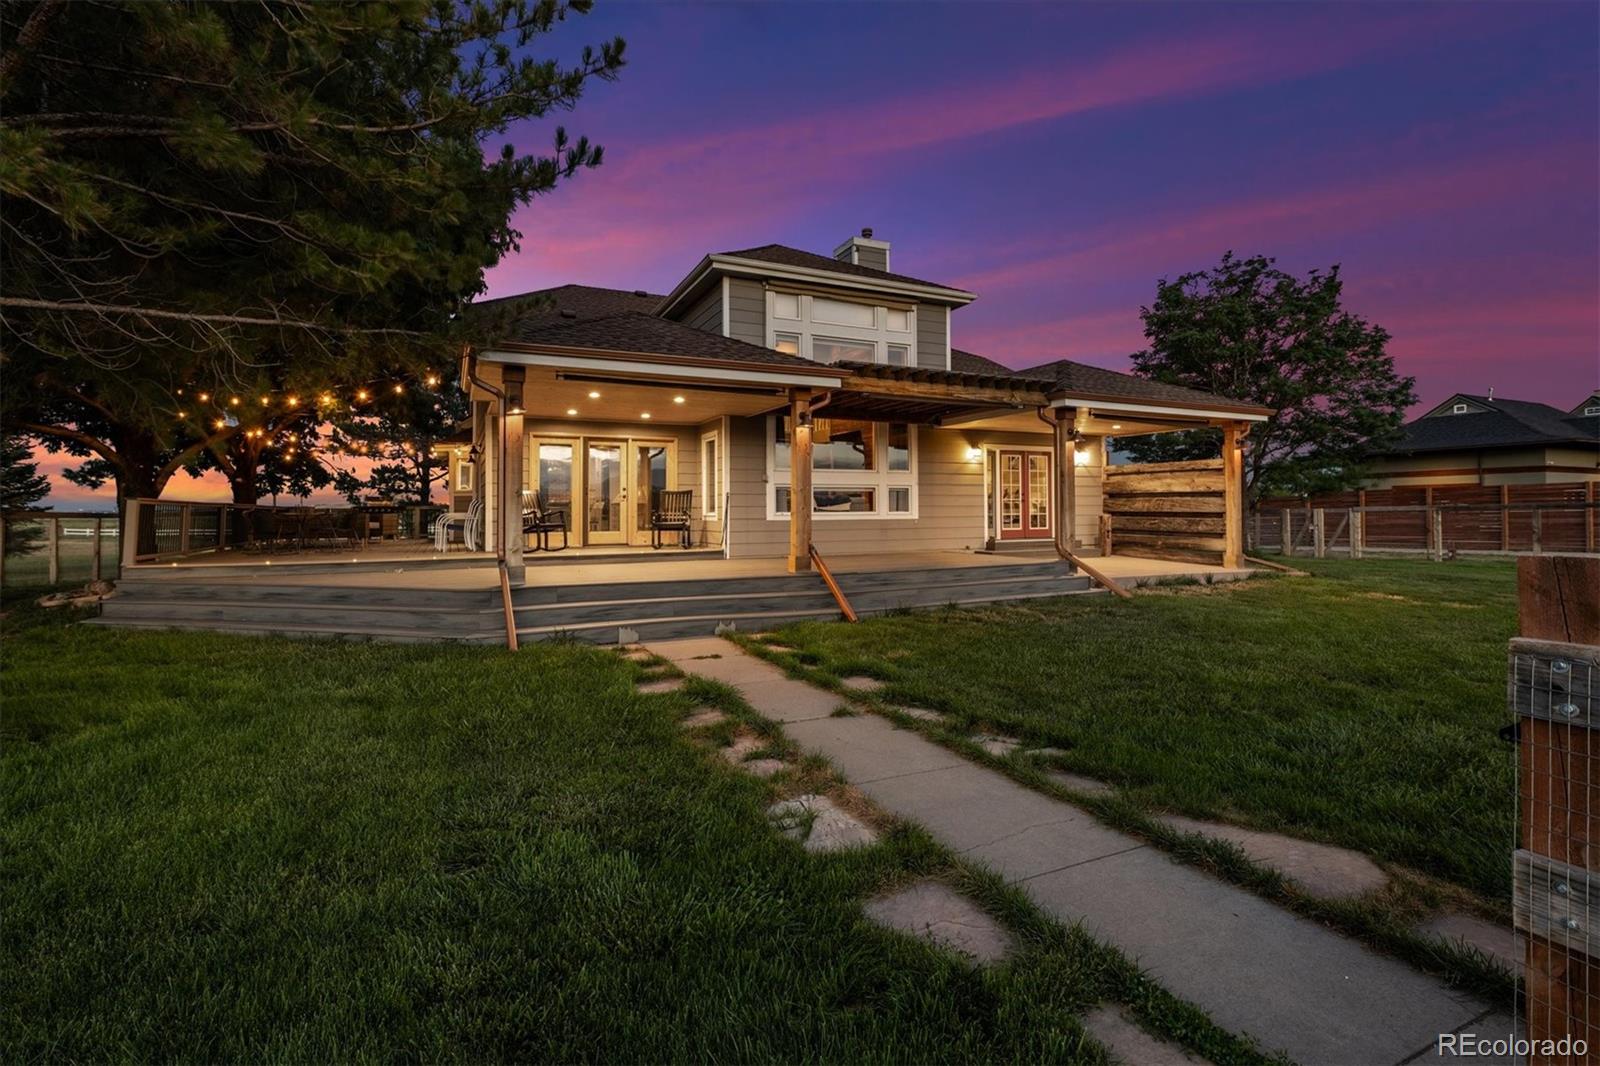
<point x="1506" y="424"/>
<point x="644" y="334"/>
<point x="1065" y="375"/>
<point x="783" y="255"/>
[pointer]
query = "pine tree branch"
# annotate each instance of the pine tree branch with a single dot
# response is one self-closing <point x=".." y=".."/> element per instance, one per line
<point x="189" y="316"/>
<point x="32" y="31"/>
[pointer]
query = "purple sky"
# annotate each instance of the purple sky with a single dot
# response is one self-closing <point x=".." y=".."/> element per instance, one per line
<point x="1058" y="159"/>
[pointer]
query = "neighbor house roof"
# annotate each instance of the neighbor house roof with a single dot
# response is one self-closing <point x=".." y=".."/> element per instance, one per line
<point x="1495" y="423"/>
<point x="586" y="300"/>
<point x="783" y="255"/>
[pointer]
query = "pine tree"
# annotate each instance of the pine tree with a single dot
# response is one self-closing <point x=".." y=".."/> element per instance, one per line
<point x="248" y="199"/>
<point x="398" y="432"/>
<point x="1247" y="330"/>
<point x="21" y="487"/>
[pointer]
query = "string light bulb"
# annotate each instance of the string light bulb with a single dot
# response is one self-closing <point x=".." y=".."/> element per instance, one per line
<point x="205" y="397"/>
<point x="433" y="380"/>
<point x="294" y="401"/>
<point x="220" y="423"/>
<point x="362" y="394"/>
<point x="234" y="401"/>
<point x="398" y="389"/>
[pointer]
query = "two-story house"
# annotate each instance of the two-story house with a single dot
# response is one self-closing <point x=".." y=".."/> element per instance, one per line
<point x="803" y="400"/>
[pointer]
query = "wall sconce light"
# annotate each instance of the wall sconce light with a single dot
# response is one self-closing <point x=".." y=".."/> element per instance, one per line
<point x="974" y="454"/>
<point x="1080" y="457"/>
<point x="805" y="418"/>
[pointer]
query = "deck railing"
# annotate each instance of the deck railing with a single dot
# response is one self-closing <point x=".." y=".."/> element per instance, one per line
<point x="173" y="529"/>
<point x="1435" y="530"/>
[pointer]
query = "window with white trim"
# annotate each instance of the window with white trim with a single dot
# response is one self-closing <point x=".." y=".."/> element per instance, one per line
<point x="858" y="469"/>
<point x="463" y="475"/>
<point x="710" y="475"/>
<point x="830" y="330"/>
<point x="1459" y="409"/>
<point x="1587" y="411"/>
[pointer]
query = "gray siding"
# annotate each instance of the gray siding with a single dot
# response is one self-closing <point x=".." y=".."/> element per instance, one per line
<point x="932" y="324"/>
<point x="875" y="258"/>
<point x="747" y="311"/>
<point x="706" y="313"/>
<point x="950" y="504"/>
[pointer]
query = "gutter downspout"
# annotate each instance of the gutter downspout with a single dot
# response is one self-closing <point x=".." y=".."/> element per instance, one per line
<point x="1058" y="493"/>
<point x="501" y="475"/>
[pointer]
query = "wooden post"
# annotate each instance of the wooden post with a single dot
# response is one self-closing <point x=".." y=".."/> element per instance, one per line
<point x="1538" y="529"/>
<point x="1589" y="498"/>
<point x="128" y="536"/>
<point x="1105" y="534"/>
<point x="1068" y="464"/>
<point x="94" y="572"/>
<point x="54" y="546"/>
<point x="1319" y="533"/>
<point x="1505" y="518"/>
<point x="799" y="480"/>
<point x="1232" y="497"/>
<point x="1558" y="786"/>
<point x="1288" y="541"/>
<point x="1358" y="532"/>
<point x="1436" y="525"/>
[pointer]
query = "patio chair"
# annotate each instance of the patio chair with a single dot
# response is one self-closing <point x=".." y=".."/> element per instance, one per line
<point x="468" y="521"/>
<point x="542" y="520"/>
<point x="669" y="513"/>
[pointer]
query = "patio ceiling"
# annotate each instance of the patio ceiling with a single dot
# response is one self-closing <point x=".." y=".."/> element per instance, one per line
<point x="563" y="394"/>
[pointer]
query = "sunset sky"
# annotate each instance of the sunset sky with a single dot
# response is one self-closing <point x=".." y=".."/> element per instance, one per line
<point x="1059" y="159"/>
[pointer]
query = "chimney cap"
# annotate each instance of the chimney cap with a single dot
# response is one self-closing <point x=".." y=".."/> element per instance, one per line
<point x="866" y="231"/>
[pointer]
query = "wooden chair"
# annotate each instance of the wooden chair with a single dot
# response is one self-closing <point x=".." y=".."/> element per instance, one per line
<point x="669" y="513"/>
<point x="542" y="520"/>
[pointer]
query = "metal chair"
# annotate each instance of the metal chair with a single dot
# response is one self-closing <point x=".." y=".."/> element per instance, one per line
<point x="468" y="521"/>
<point x="669" y="513"/>
<point x="542" y="520"/>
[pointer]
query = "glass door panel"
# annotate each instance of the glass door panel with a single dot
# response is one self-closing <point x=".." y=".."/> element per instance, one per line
<point x="1038" y="495"/>
<point x="552" y="476"/>
<point x="654" y="470"/>
<point x="605" y="495"/>
<point x="1010" y="494"/>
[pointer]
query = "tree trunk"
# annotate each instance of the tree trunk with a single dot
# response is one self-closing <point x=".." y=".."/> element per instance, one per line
<point x="242" y="480"/>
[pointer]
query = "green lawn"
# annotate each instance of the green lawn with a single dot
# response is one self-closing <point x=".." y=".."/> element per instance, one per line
<point x="222" y="848"/>
<point x="1357" y="706"/>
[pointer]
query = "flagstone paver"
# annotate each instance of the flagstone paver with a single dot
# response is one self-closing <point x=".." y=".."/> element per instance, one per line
<point x="783" y="699"/>
<point x="763" y="767"/>
<point x="862" y="683"/>
<point x="1078" y="783"/>
<point x="1257" y="969"/>
<point x="938" y="913"/>
<point x="830" y="828"/>
<point x="1131" y="1045"/>
<point x="1321" y="869"/>
<point x="1499" y="942"/>
<point x="660" y="685"/>
<point x="996" y="745"/>
<point x="1046" y="753"/>
<point x="703" y="717"/>
<point x="742" y="748"/>
<point x="922" y="714"/>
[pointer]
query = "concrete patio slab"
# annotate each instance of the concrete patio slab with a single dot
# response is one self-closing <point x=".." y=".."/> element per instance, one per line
<point x="867" y="748"/>
<point x="939" y="914"/>
<point x="1321" y="869"/>
<point x="703" y="717"/>
<point x="1500" y="942"/>
<point x="1254" y="967"/>
<point x="1131" y="1045"/>
<point x="764" y="686"/>
<point x="820" y="824"/>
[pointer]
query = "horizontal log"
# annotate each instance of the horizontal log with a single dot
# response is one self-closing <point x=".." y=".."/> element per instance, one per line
<point x="1138" y="551"/>
<point x="1166" y="503"/>
<point x="1164" y="468"/>
<point x="1121" y="524"/>
<point x="1196" y="481"/>
<point x="1167" y="540"/>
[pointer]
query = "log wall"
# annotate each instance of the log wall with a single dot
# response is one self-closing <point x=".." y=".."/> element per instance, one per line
<point x="1167" y="510"/>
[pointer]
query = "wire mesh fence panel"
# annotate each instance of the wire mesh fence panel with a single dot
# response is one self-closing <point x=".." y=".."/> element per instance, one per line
<point x="43" y="550"/>
<point x="1554" y="691"/>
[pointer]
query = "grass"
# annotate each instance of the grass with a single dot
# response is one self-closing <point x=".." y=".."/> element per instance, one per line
<point x="1357" y="706"/>
<point x="226" y="848"/>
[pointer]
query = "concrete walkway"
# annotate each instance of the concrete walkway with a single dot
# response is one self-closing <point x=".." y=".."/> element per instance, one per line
<point x="1255" y="968"/>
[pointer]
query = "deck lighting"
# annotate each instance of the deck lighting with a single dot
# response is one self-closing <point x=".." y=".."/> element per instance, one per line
<point x="594" y="395"/>
<point x="677" y="399"/>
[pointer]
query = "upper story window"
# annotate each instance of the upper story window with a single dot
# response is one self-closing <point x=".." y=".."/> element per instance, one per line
<point x="1459" y="409"/>
<point x="831" y="330"/>
<point x="1591" y="411"/>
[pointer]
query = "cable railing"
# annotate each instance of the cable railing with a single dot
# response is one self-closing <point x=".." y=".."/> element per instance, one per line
<point x="174" y="529"/>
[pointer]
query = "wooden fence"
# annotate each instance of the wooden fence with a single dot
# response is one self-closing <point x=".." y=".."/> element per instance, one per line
<point x="56" y="547"/>
<point x="1165" y="510"/>
<point x="1554" y="693"/>
<point x="1433" y="521"/>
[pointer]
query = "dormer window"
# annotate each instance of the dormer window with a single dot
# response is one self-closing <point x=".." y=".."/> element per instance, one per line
<point x="831" y="329"/>
<point x="1460" y="409"/>
<point x="1587" y="411"/>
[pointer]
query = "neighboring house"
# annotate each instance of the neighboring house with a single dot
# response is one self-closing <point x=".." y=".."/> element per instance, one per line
<point x="761" y="353"/>
<point x="1482" y="440"/>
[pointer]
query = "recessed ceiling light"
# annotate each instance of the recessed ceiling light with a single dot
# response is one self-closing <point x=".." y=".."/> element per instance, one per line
<point x="593" y="395"/>
<point x="677" y="399"/>
<point x="1116" y="425"/>
<point x="572" y="410"/>
<point x="644" y="414"/>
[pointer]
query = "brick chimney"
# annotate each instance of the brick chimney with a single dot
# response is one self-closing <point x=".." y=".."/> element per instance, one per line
<point x="864" y="251"/>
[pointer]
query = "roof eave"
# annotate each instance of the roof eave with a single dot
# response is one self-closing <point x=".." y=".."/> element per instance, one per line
<point x="731" y="264"/>
<point x="1198" y="409"/>
<point x="819" y="373"/>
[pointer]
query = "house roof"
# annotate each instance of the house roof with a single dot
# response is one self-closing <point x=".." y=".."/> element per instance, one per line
<point x="1065" y="375"/>
<point x="783" y="255"/>
<point x="1494" y="423"/>
<point x="644" y="334"/>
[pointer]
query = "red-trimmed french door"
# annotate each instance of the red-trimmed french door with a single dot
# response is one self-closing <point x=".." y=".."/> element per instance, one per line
<point x="1024" y="491"/>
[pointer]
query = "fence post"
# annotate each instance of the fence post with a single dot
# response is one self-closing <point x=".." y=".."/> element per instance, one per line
<point x="1538" y="529"/>
<point x="54" y="546"/>
<point x="184" y="516"/>
<point x="1505" y="518"/>
<point x="94" y="572"/>
<point x="1319" y="533"/>
<point x="1358" y="531"/>
<point x="1589" y="516"/>
<point x="1430" y="523"/>
<point x="1554" y="668"/>
<point x="1288" y="541"/>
